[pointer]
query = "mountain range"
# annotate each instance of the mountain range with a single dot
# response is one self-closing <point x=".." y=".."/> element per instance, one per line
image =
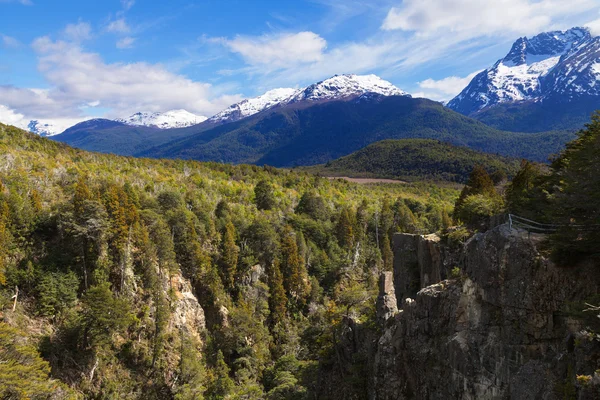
<point x="550" y="81"/>
<point x="545" y="85"/>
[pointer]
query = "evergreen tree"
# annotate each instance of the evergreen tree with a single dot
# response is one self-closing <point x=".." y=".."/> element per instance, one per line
<point x="263" y="195"/>
<point x="313" y="205"/>
<point x="479" y="183"/>
<point x="295" y="276"/>
<point x="478" y="199"/>
<point x="277" y="298"/>
<point x="192" y="374"/>
<point x="576" y="192"/>
<point x="229" y="256"/>
<point x="523" y="195"/>
<point x="222" y="385"/>
<point x="23" y="373"/>
<point x="345" y="231"/>
<point x="387" y="254"/>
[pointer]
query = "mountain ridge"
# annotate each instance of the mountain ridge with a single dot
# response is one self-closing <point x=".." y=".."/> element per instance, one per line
<point x="551" y="73"/>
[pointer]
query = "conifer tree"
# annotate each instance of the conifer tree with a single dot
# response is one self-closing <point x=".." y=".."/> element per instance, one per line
<point x="222" y="385"/>
<point x="387" y="254"/>
<point x="293" y="268"/>
<point x="263" y="195"/>
<point x="277" y="298"/>
<point x="345" y="231"/>
<point x="229" y="256"/>
<point x="23" y="373"/>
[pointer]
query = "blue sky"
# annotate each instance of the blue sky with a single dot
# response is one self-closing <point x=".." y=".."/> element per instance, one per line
<point x="66" y="60"/>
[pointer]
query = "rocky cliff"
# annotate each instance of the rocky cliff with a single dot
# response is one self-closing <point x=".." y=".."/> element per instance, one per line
<point x="504" y="326"/>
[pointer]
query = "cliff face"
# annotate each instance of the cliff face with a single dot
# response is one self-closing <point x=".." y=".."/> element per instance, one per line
<point x="498" y="331"/>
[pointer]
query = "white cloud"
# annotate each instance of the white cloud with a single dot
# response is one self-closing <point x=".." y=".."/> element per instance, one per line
<point x="279" y="50"/>
<point x="443" y="89"/>
<point x="594" y="27"/>
<point x="9" y="41"/>
<point x="125" y="43"/>
<point x="57" y="125"/>
<point x="127" y="4"/>
<point x="78" y="32"/>
<point x="118" y="26"/>
<point x="473" y="18"/>
<point x="78" y="80"/>
<point x="10" y="117"/>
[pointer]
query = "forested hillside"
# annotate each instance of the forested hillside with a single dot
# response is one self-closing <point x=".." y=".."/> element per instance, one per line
<point x="417" y="159"/>
<point x="150" y="279"/>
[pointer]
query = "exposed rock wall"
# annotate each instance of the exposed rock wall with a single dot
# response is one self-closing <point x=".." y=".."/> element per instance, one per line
<point x="498" y="332"/>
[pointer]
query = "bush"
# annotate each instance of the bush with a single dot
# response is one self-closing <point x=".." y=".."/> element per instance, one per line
<point x="478" y="207"/>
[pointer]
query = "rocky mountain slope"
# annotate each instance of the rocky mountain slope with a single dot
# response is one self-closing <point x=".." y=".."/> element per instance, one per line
<point x="506" y="326"/>
<point x="490" y="319"/>
<point x="551" y="73"/>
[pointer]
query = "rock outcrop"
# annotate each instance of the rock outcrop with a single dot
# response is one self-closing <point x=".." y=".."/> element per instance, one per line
<point x="501" y="330"/>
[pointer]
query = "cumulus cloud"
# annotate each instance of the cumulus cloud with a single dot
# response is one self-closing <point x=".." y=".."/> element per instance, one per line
<point x="78" y="32"/>
<point x="118" y="26"/>
<point x="125" y="43"/>
<point x="444" y="89"/>
<point x="476" y="17"/>
<point x="79" y="80"/>
<point x="594" y="27"/>
<point x="279" y="50"/>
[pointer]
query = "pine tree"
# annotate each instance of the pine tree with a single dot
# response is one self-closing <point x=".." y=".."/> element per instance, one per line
<point x="479" y="183"/>
<point x="576" y="200"/>
<point x="478" y="199"/>
<point x="82" y="193"/>
<point x="345" y="231"/>
<point x="277" y="297"/>
<point x="23" y="373"/>
<point x="229" y="256"/>
<point x="263" y="195"/>
<point x="295" y="276"/>
<point x="222" y="385"/>
<point x="387" y="254"/>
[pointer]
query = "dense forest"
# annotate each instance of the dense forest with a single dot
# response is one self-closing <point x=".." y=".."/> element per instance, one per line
<point x="138" y="278"/>
<point x="417" y="160"/>
<point x="156" y="279"/>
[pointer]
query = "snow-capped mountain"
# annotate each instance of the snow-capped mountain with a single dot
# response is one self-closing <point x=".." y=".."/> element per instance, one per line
<point x="338" y="87"/>
<point x="248" y="107"/>
<point x="43" y="128"/>
<point x="552" y="63"/>
<point x="166" y="120"/>
<point x="346" y="86"/>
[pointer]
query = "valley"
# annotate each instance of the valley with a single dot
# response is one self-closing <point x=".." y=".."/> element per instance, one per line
<point x="226" y="201"/>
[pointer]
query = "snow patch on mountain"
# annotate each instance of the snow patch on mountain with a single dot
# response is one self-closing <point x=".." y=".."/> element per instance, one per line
<point x="249" y="107"/>
<point x="166" y="120"/>
<point x="530" y="71"/>
<point x="338" y="87"/>
<point x="344" y="86"/>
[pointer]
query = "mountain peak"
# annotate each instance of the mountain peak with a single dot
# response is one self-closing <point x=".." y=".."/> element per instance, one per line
<point x="535" y="69"/>
<point x="348" y="85"/>
<point x="170" y="119"/>
<point x="338" y="87"/>
<point x="544" y="45"/>
<point x="248" y="107"/>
